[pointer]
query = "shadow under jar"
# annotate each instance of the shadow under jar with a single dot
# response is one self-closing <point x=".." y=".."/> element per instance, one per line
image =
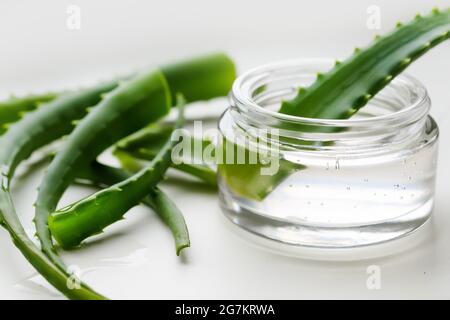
<point x="338" y="183"/>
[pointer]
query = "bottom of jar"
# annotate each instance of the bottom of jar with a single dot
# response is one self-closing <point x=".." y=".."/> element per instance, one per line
<point x="296" y="234"/>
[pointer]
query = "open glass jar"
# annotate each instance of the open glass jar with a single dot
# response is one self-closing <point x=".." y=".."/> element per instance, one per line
<point x="324" y="182"/>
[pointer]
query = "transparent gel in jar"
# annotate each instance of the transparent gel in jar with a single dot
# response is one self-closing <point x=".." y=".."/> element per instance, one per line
<point x="324" y="182"/>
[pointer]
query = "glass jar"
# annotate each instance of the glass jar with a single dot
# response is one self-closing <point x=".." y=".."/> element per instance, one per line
<point x="324" y="182"/>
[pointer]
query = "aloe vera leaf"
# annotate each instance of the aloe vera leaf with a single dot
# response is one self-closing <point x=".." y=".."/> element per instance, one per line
<point x="201" y="78"/>
<point x="202" y="172"/>
<point x="346" y="88"/>
<point x="341" y="92"/>
<point x="131" y="105"/>
<point x="36" y="129"/>
<point x="93" y="135"/>
<point x="168" y="211"/>
<point x="153" y="137"/>
<point x="89" y="216"/>
<point x="145" y="143"/>
<point x="246" y="179"/>
<point x="14" y="108"/>
<point x="105" y="176"/>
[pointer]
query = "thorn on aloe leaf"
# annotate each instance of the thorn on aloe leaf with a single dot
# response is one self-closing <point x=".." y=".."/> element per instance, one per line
<point x="398" y="24"/>
<point x="337" y="62"/>
<point x="377" y="37"/>
<point x="406" y="61"/>
<point x="435" y="10"/>
<point x="301" y="90"/>
<point x="418" y="16"/>
<point x="319" y="75"/>
<point x="357" y="50"/>
<point x="21" y="114"/>
<point x="352" y="110"/>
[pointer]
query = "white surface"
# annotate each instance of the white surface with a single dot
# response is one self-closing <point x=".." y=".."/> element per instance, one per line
<point x="135" y="258"/>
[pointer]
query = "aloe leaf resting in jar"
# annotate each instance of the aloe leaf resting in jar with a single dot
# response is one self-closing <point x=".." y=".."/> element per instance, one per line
<point x="341" y="92"/>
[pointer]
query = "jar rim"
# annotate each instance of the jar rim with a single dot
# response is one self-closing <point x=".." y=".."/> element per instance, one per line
<point x="243" y="89"/>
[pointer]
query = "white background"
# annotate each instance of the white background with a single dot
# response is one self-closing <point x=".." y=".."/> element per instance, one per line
<point x="136" y="259"/>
